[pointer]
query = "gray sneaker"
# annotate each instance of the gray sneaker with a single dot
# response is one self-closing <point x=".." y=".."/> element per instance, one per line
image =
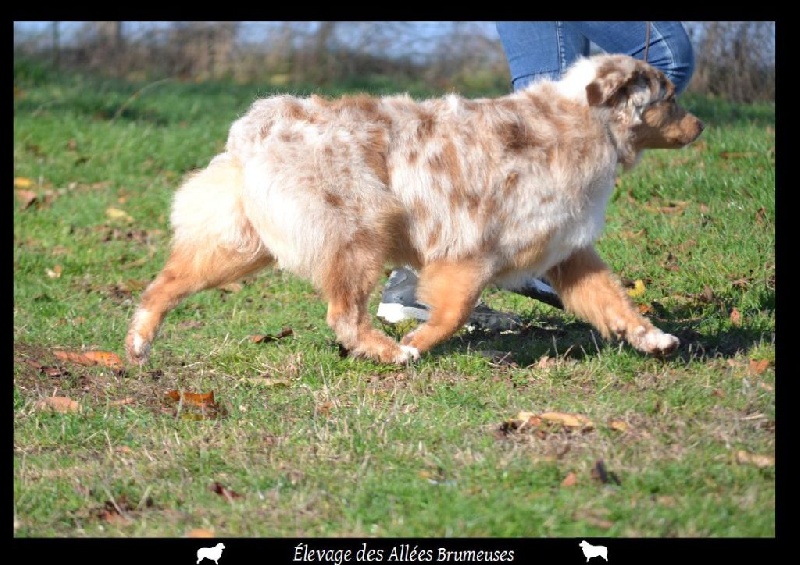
<point x="538" y="289"/>
<point x="399" y="303"/>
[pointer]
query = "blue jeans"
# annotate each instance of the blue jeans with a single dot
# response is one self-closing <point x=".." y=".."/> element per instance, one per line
<point x="537" y="50"/>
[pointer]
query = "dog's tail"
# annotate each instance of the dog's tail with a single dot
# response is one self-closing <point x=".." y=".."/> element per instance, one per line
<point x="214" y="244"/>
<point x="209" y="207"/>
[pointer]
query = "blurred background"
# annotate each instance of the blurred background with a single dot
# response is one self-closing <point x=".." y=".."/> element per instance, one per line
<point x="735" y="60"/>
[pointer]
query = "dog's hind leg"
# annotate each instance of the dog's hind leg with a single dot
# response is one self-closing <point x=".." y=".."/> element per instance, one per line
<point x="589" y="289"/>
<point x="347" y="285"/>
<point x="451" y="290"/>
<point x="214" y="244"/>
<point x="187" y="271"/>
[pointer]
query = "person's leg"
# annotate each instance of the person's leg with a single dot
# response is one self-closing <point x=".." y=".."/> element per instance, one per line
<point x="539" y="50"/>
<point x="670" y="48"/>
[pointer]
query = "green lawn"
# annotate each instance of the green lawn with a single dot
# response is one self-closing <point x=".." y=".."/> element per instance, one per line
<point x="303" y="442"/>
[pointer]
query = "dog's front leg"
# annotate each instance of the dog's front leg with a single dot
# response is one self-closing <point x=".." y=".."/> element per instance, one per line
<point x="451" y="290"/>
<point x="589" y="289"/>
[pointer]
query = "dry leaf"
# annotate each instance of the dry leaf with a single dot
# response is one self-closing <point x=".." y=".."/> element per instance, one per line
<point x="618" y="425"/>
<point x="525" y="416"/>
<point x="121" y="402"/>
<point x="644" y="308"/>
<point x="55" y="272"/>
<point x="568" y="420"/>
<point x="58" y="404"/>
<point x="22" y="182"/>
<point x="202" y="400"/>
<point x="570" y="480"/>
<point x="285" y="332"/>
<point x="200" y="533"/>
<point x="762" y="461"/>
<point x="324" y="408"/>
<point x="638" y="289"/>
<point x="105" y="358"/>
<point x="736" y="317"/>
<point x="222" y="490"/>
<point x="117" y="214"/>
<point x="758" y="367"/>
<point x="26" y="198"/>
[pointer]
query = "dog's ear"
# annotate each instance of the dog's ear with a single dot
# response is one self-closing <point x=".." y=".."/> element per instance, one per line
<point x="613" y="73"/>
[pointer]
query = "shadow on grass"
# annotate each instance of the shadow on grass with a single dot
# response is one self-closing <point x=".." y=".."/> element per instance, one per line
<point x="566" y="337"/>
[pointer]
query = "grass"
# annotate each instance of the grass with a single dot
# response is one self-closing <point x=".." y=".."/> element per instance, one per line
<point x="306" y="443"/>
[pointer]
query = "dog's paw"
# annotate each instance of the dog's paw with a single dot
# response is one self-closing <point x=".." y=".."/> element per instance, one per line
<point x="653" y="341"/>
<point x="137" y="348"/>
<point x="407" y="354"/>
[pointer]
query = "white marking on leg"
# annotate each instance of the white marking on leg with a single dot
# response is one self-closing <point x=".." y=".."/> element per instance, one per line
<point x="409" y="354"/>
<point x="653" y="341"/>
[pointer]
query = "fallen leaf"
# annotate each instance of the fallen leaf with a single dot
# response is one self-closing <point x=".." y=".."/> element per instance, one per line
<point x="22" y="182"/>
<point x="222" y="490"/>
<point x="202" y="400"/>
<point x="761" y="461"/>
<point x="736" y="317"/>
<point x="105" y="358"/>
<point x="285" y="332"/>
<point x="58" y="404"/>
<point x="26" y="198"/>
<point x="761" y="215"/>
<point x="638" y="289"/>
<point x="618" y="425"/>
<point x="570" y="480"/>
<point x="758" y="367"/>
<point x="568" y="420"/>
<point x="741" y="282"/>
<point x="117" y="214"/>
<point x="644" y="308"/>
<point x="324" y="408"/>
<point x="55" y="272"/>
<point x="200" y="533"/>
<point x="121" y="402"/>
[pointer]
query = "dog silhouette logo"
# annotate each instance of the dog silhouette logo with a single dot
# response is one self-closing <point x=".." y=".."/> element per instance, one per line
<point x="590" y="550"/>
<point x="210" y="553"/>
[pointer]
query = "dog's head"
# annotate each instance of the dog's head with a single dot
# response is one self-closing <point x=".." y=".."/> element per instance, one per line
<point x="584" y="543"/>
<point x="220" y="546"/>
<point x="642" y="98"/>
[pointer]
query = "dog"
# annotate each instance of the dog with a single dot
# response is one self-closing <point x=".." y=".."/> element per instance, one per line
<point x="468" y="192"/>
<point x="590" y="550"/>
<point x="211" y="553"/>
